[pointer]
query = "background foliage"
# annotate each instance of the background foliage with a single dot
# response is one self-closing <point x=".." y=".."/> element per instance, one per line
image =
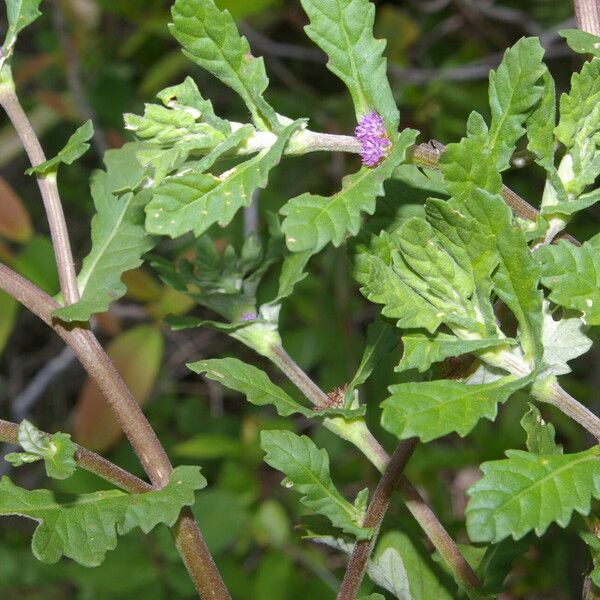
<point x="103" y="58"/>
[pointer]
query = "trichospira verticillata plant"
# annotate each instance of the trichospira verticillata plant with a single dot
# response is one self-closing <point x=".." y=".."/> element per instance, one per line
<point x="371" y="134"/>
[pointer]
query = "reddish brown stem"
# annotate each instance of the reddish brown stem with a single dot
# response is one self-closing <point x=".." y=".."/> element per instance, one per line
<point x="375" y="513"/>
<point x="84" y="344"/>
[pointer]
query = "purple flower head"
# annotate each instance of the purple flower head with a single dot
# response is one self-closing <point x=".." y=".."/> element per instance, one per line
<point x="370" y="126"/>
<point x="373" y="150"/>
<point x="374" y="143"/>
<point x="249" y="316"/>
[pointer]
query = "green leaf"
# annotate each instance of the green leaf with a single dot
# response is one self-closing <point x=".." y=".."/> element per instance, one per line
<point x="540" y="435"/>
<point x="563" y="341"/>
<point x="86" y="528"/>
<point x="387" y="570"/>
<point x="57" y="451"/>
<point x="514" y="91"/>
<point x="421" y="349"/>
<point x="75" y="147"/>
<point x="210" y="38"/>
<point x="306" y="470"/>
<point x="344" y="31"/>
<point x="186" y="96"/>
<point x="432" y="409"/>
<point x="380" y="284"/>
<point x="119" y="240"/>
<point x="165" y="126"/>
<point x="516" y="280"/>
<point x="424" y="583"/>
<point x="496" y="564"/>
<point x="313" y="221"/>
<point x="540" y="133"/>
<point x="579" y="127"/>
<point x="194" y="201"/>
<point x="124" y="171"/>
<point x="20" y="13"/>
<point x="250" y="381"/>
<point x="466" y="167"/>
<point x="572" y="273"/>
<point x="529" y="491"/>
<point x="581" y="41"/>
<point x="292" y="273"/>
<point x="381" y="338"/>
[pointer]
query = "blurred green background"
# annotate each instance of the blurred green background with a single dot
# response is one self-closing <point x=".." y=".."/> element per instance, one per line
<point x="101" y="58"/>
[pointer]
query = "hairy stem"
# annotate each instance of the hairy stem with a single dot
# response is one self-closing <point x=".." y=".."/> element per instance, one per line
<point x="86" y="347"/>
<point x="551" y="392"/>
<point x="587" y="13"/>
<point x="49" y="192"/>
<point x="376" y="510"/>
<point x="377" y="455"/>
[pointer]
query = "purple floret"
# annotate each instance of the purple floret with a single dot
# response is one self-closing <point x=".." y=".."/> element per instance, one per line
<point x="249" y="316"/>
<point x="371" y="134"/>
<point x="373" y="150"/>
<point x="370" y="126"/>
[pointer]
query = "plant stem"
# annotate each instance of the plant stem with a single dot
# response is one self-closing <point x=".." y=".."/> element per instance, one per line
<point x="88" y="460"/>
<point x="86" y="347"/>
<point x="376" y="454"/>
<point x="439" y="537"/>
<point x="49" y="191"/>
<point x="551" y="392"/>
<point x="587" y="13"/>
<point x="376" y="510"/>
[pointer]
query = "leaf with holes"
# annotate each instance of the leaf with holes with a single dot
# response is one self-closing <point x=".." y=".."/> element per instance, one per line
<point x="526" y="492"/>
<point x="306" y="470"/>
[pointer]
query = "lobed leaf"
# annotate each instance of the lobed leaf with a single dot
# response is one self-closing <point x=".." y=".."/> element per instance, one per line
<point x="526" y="492"/>
<point x="381" y="338"/>
<point x="579" y="126"/>
<point x="572" y="274"/>
<point x="250" y="381"/>
<point x="344" y="31"/>
<point x="119" y="240"/>
<point x="540" y="435"/>
<point x="421" y="349"/>
<point x="306" y="470"/>
<point x="313" y="221"/>
<point x="380" y="284"/>
<point x="514" y="91"/>
<point x="75" y="147"/>
<point x="563" y="341"/>
<point x="211" y="39"/>
<point x="194" y="201"/>
<point x="581" y="41"/>
<point x="57" y="451"/>
<point x="20" y="14"/>
<point x="86" y="528"/>
<point x="432" y="409"/>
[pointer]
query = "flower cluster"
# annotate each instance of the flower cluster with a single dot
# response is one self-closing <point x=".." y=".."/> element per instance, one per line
<point x="371" y="134"/>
